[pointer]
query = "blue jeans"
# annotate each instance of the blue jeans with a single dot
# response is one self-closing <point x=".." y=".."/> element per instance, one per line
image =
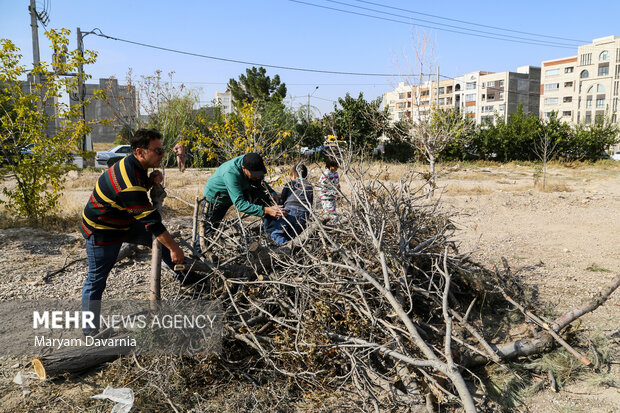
<point x="288" y="227"/>
<point x="101" y="259"/>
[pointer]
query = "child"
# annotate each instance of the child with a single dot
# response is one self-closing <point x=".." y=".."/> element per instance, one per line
<point x="297" y="197"/>
<point x="329" y="184"/>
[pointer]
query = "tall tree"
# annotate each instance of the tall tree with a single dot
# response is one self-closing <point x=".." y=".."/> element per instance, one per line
<point x="255" y="85"/>
<point x="359" y="121"/>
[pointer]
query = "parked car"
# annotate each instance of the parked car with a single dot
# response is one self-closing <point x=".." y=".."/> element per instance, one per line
<point x="108" y="158"/>
<point x="306" y="151"/>
<point x="27" y="150"/>
<point x="616" y="156"/>
<point x="379" y="150"/>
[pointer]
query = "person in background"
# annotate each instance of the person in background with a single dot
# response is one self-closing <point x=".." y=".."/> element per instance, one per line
<point x="181" y="153"/>
<point x="297" y="197"/>
<point x="329" y="184"/>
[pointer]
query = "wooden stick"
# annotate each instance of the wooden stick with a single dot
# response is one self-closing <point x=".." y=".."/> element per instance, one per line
<point x="547" y="328"/>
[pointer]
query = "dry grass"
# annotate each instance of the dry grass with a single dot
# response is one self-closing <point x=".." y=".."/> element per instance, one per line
<point x="456" y="189"/>
<point x="554" y="187"/>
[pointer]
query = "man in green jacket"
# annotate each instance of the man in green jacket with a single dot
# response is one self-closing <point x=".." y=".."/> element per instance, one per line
<point x="239" y="182"/>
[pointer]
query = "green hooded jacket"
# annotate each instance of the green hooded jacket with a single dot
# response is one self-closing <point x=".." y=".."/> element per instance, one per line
<point x="227" y="184"/>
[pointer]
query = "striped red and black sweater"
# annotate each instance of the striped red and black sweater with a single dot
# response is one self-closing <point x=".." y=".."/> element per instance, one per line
<point x="119" y="200"/>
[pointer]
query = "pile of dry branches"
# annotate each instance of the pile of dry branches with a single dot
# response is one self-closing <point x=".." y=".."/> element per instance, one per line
<point x="379" y="301"/>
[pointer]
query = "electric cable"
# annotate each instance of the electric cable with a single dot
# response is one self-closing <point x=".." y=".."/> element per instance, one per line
<point x="471" y="23"/>
<point x="167" y="49"/>
<point x="431" y="27"/>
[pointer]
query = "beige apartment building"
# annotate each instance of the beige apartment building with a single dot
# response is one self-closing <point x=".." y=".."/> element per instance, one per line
<point x="479" y="95"/>
<point x="583" y="87"/>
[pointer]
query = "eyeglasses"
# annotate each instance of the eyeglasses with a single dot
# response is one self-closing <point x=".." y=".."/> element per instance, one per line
<point x="158" y="151"/>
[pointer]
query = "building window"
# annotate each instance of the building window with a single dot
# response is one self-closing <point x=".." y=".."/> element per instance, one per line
<point x="551" y="101"/>
<point x="552" y="72"/>
<point x="604" y="56"/>
<point x="591" y="89"/>
<point x="552" y="86"/>
<point x="442" y="101"/>
<point x="501" y="83"/>
<point x="401" y="95"/>
<point x="502" y="107"/>
<point x="603" y="70"/>
<point x="584" y="74"/>
<point x="600" y="88"/>
<point x="483" y="85"/>
<point x="470" y="97"/>
<point x="588" y="118"/>
<point x="566" y="113"/>
<point x="491" y="84"/>
<point x="470" y="85"/>
<point x="568" y="69"/>
<point x="567" y="99"/>
<point x="589" y="103"/>
<point x="585" y="59"/>
<point x="568" y="84"/>
<point x="491" y="97"/>
<point x="441" y="90"/>
<point x="501" y="95"/>
<point x="470" y="109"/>
<point x="600" y="103"/>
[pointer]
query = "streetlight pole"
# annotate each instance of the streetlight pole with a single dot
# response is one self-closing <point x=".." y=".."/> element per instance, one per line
<point x="309" y="96"/>
<point x="81" y="93"/>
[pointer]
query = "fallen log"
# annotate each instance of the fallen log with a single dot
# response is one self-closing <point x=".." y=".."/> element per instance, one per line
<point x="545" y="342"/>
<point x="80" y="359"/>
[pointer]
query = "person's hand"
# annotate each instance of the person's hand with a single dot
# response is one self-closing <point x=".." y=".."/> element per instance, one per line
<point x="156" y="177"/>
<point x="276" y="211"/>
<point x="177" y="256"/>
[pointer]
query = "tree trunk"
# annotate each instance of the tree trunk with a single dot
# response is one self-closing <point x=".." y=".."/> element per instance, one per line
<point x="76" y="360"/>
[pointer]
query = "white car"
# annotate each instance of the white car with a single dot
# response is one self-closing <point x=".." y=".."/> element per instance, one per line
<point x="107" y="158"/>
<point x="616" y="156"/>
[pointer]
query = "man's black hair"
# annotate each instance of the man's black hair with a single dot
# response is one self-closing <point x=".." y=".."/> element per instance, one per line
<point x="300" y="170"/>
<point x="329" y="162"/>
<point x="143" y="137"/>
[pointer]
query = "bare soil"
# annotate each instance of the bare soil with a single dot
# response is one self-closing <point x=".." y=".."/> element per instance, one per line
<point x="561" y="242"/>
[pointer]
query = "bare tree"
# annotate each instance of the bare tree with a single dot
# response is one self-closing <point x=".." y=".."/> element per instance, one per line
<point x="432" y="128"/>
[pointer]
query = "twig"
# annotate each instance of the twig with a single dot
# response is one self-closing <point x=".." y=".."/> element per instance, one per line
<point x="47" y="276"/>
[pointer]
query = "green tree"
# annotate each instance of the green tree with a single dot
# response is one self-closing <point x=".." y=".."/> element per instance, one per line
<point x="255" y="85"/>
<point x="25" y="114"/>
<point x="358" y="121"/>
<point x="590" y="141"/>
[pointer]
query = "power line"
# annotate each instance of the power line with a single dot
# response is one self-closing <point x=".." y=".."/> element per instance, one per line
<point x="473" y="24"/>
<point x="533" y="42"/>
<point x="448" y="25"/>
<point x="222" y="59"/>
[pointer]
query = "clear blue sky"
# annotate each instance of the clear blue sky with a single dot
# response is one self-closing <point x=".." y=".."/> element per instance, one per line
<point x="288" y="33"/>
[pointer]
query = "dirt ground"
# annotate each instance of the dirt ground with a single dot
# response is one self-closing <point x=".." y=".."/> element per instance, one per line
<point x="561" y="242"/>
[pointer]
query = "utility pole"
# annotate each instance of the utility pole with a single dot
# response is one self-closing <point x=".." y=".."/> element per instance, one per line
<point x="81" y="93"/>
<point x="437" y="86"/>
<point x="35" y="32"/>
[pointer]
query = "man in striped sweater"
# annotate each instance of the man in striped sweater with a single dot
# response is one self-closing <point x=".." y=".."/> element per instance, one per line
<point x="119" y="211"/>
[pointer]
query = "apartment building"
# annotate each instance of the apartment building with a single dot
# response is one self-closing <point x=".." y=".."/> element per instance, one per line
<point x="120" y="107"/>
<point x="583" y="87"/>
<point x="478" y="95"/>
<point x="224" y="99"/>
